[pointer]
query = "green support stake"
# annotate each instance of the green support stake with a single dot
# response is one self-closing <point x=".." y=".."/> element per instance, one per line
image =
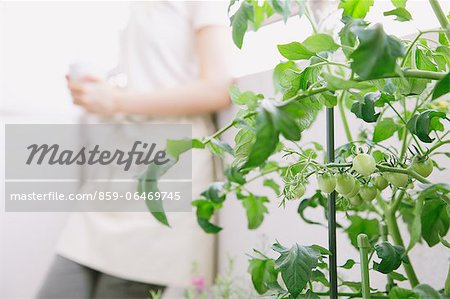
<point x="331" y="210"/>
<point x="364" y="248"/>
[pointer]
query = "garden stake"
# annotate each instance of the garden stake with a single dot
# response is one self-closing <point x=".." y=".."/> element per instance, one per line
<point x="331" y="209"/>
<point x="364" y="245"/>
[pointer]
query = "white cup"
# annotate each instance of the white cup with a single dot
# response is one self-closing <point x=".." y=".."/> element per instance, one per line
<point x="80" y="69"/>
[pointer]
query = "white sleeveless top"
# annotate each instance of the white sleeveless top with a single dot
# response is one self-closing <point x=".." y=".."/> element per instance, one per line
<point x="157" y="51"/>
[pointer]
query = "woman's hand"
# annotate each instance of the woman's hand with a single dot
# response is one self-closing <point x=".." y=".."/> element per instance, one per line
<point x="95" y="95"/>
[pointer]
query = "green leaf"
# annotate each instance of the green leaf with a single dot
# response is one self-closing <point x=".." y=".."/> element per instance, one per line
<point x="301" y="6"/>
<point x="283" y="121"/>
<point x="208" y="227"/>
<point x="426" y="292"/>
<point x="205" y="211"/>
<point x="379" y="155"/>
<point x="243" y="140"/>
<point x="416" y="226"/>
<point x="246" y="98"/>
<point x="402" y="14"/>
<point x="266" y="140"/>
<point x="320" y="42"/>
<point x="399" y="293"/>
<point x="313" y="202"/>
<point x="255" y="208"/>
<point x="397" y="276"/>
<point x="391" y="257"/>
<point x="355" y="286"/>
<point x="356" y="9"/>
<point x="154" y="206"/>
<point x="435" y="220"/>
<point x="365" y="110"/>
<point x="239" y="22"/>
<point x="359" y="225"/>
<point x="444" y="242"/>
<point x="385" y="129"/>
<point x="286" y="78"/>
<point x="258" y="15"/>
<point x="296" y="265"/>
<point x="282" y="7"/>
<point x="263" y="274"/>
<point x="310" y="47"/>
<point x="322" y="250"/>
<point x="303" y="111"/>
<point x="218" y="147"/>
<point x="234" y="174"/>
<point x="424" y="123"/>
<point x="330" y="99"/>
<point x="348" y="34"/>
<point x="214" y="192"/>
<point x="399" y="3"/>
<point x="148" y="182"/>
<point x="377" y="53"/>
<point x="295" y="51"/>
<point x="348" y="264"/>
<point x="442" y="87"/>
<point x="318" y="276"/>
<point x="272" y="185"/>
<point x="175" y="148"/>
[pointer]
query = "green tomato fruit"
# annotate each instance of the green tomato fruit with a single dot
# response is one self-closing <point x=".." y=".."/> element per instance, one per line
<point x="368" y="192"/>
<point x="299" y="191"/>
<point x="326" y="182"/>
<point x="424" y="168"/>
<point x="356" y="200"/>
<point x="344" y="183"/>
<point x="364" y="164"/>
<point x="380" y="182"/>
<point x="399" y="180"/>
<point x="354" y="191"/>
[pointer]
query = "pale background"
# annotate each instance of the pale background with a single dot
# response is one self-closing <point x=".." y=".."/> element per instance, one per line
<point x="38" y="40"/>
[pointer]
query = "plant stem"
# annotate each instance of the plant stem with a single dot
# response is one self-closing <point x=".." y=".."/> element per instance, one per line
<point x="394" y="231"/>
<point x="404" y="143"/>
<point x="437" y="145"/>
<point x="408" y="73"/>
<point x="423" y="74"/>
<point x="407" y="171"/>
<point x="348" y="133"/>
<point x="339" y="165"/>
<point x="442" y="18"/>
<point x="364" y="246"/>
<point x="303" y="95"/>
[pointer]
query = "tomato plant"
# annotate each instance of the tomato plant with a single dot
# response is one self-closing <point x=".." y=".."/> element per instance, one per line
<point x="398" y="89"/>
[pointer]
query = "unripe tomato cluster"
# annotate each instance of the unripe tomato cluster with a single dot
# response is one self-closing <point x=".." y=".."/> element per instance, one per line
<point x="364" y="190"/>
<point x="365" y="165"/>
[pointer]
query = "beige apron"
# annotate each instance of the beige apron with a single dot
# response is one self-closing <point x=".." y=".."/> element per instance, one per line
<point x="134" y="245"/>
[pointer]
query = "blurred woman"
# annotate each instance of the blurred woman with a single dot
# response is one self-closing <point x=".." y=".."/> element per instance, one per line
<point x="175" y="55"/>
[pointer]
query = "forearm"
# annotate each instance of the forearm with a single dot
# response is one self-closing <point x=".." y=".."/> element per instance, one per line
<point x="199" y="97"/>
